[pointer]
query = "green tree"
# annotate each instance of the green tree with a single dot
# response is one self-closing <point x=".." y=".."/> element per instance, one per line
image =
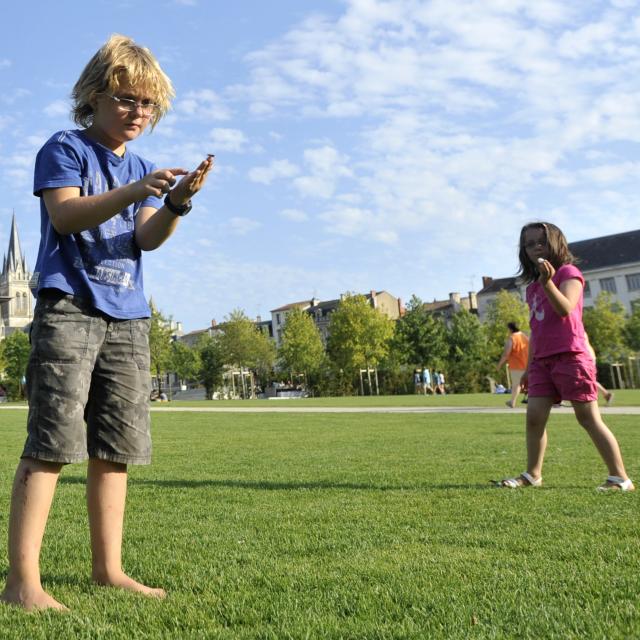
<point x="605" y="323"/>
<point x="159" y="345"/>
<point x="468" y="362"/>
<point x="506" y="307"/>
<point x="631" y="330"/>
<point x="359" y="337"/>
<point x="184" y="361"/>
<point x="420" y="336"/>
<point x="15" y="350"/>
<point x="244" y="345"/>
<point x="301" y="350"/>
<point x="212" y="364"/>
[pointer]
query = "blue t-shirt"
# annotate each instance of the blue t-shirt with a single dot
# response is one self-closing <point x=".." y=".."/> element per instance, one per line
<point x="101" y="265"/>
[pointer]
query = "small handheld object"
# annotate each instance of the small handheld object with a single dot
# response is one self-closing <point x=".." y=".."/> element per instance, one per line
<point x="540" y="260"/>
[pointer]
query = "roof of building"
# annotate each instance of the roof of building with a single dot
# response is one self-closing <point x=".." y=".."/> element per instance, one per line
<point x="437" y="305"/>
<point x="607" y="251"/>
<point x="292" y="305"/>
<point x="499" y="284"/>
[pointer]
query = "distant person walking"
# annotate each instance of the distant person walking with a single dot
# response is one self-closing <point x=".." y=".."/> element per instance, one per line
<point x="439" y="380"/>
<point x="426" y="381"/>
<point x="417" y="382"/>
<point x="516" y="355"/>
<point x="560" y="365"/>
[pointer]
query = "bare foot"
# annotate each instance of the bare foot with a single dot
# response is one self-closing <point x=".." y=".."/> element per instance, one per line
<point x="123" y="581"/>
<point x="30" y="599"/>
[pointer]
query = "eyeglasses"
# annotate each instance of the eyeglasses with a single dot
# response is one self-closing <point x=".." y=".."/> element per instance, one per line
<point x="532" y="244"/>
<point x="125" y="104"/>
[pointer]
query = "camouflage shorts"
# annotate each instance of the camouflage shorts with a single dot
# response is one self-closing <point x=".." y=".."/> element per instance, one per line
<point x="85" y="367"/>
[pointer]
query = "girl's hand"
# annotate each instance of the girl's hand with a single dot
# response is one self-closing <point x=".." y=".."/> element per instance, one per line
<point x="546" y="271"/>
<point x="191" y="183"/>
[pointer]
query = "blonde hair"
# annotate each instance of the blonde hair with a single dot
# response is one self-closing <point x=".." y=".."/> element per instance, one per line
<point x="120" y="60"/>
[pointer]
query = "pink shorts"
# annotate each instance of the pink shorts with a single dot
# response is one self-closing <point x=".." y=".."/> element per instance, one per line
<point x="564" y="376"/>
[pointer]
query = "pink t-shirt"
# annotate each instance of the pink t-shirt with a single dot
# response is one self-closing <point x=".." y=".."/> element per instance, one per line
<point x="551" y="333"/>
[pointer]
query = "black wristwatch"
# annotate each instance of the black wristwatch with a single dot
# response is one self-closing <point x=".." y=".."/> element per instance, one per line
<point x="179" y="211"/>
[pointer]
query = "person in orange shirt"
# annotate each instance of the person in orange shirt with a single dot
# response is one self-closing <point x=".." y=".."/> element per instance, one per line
<point x="516" y="355"/>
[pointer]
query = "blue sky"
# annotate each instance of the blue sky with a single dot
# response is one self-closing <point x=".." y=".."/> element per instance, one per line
<point x="360" y="145"/>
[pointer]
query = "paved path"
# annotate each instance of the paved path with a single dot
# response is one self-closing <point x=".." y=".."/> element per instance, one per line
<point x="293" y="409"/>
<point x="490" y="410"/>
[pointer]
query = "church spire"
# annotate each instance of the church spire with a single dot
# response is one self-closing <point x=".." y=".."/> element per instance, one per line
<point x="14" y="260"/>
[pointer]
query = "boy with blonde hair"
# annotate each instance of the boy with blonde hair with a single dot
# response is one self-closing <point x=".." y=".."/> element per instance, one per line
<point x="101" y="206"/>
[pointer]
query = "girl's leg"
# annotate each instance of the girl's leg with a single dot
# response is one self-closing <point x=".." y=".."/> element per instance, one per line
<point x="588" y="416"/>
<point x="106" y="496"/>
<point x="538" y="410"/>
<point x="33" y="490"/>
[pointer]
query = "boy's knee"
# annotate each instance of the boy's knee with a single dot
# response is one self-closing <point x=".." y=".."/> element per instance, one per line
<point x="29" y="465"/>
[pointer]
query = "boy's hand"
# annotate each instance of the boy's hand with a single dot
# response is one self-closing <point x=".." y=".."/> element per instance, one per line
<point x="191" y="183"/>
<point x="158" y="182"/>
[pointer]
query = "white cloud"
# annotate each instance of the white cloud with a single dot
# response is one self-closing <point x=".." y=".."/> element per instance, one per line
<point x="347" y="221"/>
<point x="241" y="226"/>
<point x="204" y="104"/>
<point x="469" y="107"/>
<point x="5" y="63"/>
<point x="276" y="169"/>
<point x="326" y="166"/>
<point x="228" y="140"/>
<point x="57" y="108"/>
<point x="294" y="215"/>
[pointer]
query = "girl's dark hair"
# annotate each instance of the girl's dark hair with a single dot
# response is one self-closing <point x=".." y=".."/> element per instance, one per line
<point x="559" y="253"/>
<point x="513" y="327"/>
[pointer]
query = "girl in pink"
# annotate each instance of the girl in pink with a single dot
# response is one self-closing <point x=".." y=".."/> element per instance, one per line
<point x="560" y="366"/>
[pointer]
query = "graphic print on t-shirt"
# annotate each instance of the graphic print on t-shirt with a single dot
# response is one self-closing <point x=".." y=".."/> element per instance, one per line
<point x="108" y="251"/>
<point x="536" y="309"/>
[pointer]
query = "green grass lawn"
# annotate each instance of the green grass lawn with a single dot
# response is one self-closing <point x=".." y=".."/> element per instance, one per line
<point x="348" y="526"/>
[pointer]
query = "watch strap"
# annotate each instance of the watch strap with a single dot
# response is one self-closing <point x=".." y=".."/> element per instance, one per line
<point x="178" y="211"/>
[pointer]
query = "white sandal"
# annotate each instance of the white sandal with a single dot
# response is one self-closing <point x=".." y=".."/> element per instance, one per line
<point x="616" y="483"/>
<point x="517" y="483"/>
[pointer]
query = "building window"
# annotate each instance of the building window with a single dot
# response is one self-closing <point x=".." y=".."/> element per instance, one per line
<point x="277" y="318"/>
<point x="608" y="284"/>
<point x="633" y="281"/>
<point x="587" y="289"/>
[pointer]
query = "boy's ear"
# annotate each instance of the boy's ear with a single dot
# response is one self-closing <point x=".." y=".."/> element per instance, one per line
<point x="93" y="100"/>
